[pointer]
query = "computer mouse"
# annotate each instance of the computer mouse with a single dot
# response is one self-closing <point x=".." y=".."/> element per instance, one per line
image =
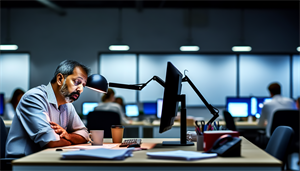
<point x="134" y="145"/>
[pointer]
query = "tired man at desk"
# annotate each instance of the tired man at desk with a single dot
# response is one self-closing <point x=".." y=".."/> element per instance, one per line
<point x="45" y="116"/>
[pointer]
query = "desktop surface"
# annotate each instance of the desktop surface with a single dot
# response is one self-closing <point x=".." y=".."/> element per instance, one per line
<point x="253" y="158"/>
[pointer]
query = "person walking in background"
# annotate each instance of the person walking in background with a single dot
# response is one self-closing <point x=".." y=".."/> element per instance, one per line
<point x="10" y="108"/>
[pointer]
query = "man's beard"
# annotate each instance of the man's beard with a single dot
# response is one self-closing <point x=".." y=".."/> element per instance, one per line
<point x="69" y="97"/>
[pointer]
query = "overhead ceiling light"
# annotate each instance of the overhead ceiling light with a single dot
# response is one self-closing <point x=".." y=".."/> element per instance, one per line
<point x="189" y="48"/>
<point x="241" y="48"/>
<point x="8" y="47"/>
<point x="298" y="48"/>
<point x="118" y="47"/>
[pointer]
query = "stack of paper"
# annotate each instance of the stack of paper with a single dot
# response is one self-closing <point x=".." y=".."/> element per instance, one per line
<point x="181" y="155"/>
<point x="101" y="153"/>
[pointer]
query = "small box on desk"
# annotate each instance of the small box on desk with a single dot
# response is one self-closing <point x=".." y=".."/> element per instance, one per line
<point x="211" y="136"/>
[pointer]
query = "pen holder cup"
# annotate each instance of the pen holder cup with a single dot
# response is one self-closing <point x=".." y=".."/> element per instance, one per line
<point x="199" y="142"/>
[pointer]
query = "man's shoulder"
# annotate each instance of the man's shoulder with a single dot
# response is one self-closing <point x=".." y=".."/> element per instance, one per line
<point x="36" y="91"/>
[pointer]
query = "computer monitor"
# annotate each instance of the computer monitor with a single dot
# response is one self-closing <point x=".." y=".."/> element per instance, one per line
<point x="260" y="104"/>
<point x="238" y="107"/>
<point x="88" y="107"/>
<point x="131" y="110"/>
<point x="159" y="104"/>
<point x="170" y="99"/>
<point x="149" y="108"/>
<point x="1" y="104"/>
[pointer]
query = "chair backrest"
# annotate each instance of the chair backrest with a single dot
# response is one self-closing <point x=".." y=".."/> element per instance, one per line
<point x="3" y="138"/>
<point x="103" y="120"/>
<point x="279" y="143"/>
<point x="287" y="118"/>
<point x="229" y="121"/>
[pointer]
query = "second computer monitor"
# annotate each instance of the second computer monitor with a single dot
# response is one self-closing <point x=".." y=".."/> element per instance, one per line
<point x="131" y="110"/>
<point x="149" y="108"/>
<point x="238" y="107"/>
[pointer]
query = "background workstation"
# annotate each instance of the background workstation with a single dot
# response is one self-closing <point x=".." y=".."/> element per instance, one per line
<point x="154" y="33"/>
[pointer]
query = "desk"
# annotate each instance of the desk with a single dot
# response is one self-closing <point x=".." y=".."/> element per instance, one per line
<point x="253" y="158"/>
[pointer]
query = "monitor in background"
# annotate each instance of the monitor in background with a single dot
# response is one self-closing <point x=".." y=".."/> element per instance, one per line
<point x="260" y="104"/>
<point x="2" y="104"/>
<point x="131" y="110"/>
<point x="149" y="108"/>
<point x="238" y="107"/>
<point x="159" y="104"/>
<point x="88" y="107"/>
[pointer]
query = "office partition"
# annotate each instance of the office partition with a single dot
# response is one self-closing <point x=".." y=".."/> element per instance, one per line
<point x="14" y="72"/>
<point x="258" y="71"/>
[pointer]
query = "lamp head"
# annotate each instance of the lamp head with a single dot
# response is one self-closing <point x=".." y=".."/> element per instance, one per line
<point x="97" y="82"/>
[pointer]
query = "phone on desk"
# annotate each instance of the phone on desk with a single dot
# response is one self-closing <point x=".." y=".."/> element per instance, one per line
<point x="227" y="146"/>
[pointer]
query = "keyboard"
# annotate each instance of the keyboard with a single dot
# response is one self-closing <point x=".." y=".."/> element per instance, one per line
<point x="131" y="143"/>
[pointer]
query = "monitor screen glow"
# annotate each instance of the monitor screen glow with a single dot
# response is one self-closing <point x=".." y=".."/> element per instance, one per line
<point x="88" y="107"/>
<point x="1" y="104"/>
<point x="131" y="110"/>
<point x="159" y="107"/>
<point x="149" y="108"/>
<point x="238" y="109"/>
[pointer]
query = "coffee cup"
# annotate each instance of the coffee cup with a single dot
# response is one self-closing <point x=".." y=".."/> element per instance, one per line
<point x="117" y="133"/>
<point x="97" y="137"/>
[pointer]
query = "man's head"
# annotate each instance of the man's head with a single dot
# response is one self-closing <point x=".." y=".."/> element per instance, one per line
<point x="274" y="89"/>
<point x="70" y="77"/>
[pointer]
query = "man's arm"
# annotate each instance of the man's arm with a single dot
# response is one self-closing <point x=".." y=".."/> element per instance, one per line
<point x="71" y="137"/>
<point x="60" y="143"/>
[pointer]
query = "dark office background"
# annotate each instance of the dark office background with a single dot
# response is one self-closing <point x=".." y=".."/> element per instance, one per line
<point x="81" y="30"/>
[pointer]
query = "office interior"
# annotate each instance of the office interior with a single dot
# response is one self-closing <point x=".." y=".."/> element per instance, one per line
<point x="83" y="31"/>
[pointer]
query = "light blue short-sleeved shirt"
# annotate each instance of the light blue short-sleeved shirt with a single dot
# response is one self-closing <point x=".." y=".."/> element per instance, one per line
<point x="30" y="130"/>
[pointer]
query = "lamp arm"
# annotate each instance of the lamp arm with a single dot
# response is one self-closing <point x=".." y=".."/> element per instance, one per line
<point x="214" y="111"/>
<point x="137" y="86"/>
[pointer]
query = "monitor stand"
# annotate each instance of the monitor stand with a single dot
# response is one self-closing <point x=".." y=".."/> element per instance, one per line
<point x="183" y="141"/>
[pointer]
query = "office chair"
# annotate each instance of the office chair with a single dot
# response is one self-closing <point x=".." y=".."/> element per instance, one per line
<point x="279" y="142"/>
<point x="5" y="162"/>
<point x="103" y="120"/>
<point x="288" y="118"/>
<point x="229" y="121"/>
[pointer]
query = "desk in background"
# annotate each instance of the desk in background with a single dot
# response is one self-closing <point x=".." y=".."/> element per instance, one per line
<point x="252" y="158"/>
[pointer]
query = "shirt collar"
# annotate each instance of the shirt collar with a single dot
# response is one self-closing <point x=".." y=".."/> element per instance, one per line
<point x="52" y="97"/>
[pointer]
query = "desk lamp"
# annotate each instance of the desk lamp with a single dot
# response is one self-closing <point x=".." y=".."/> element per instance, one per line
<point x="97" y="82"/>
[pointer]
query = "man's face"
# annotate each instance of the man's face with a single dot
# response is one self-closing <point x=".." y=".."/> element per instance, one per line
<point x="73" y="85"/>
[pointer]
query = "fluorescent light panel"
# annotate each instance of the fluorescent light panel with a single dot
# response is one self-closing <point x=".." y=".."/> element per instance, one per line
<point x="189" y="48"/>
<point x="241" y="48"/>
<point x="8" y="47"/>
<point x="118" y="47"/>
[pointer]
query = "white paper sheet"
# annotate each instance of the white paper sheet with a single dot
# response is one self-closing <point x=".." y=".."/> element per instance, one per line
<point x="101" y="153"/>
<point x="89" y="147"/>
<point x="181" y="155"/>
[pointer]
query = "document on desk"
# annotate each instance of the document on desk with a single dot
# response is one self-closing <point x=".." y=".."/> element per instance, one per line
<point x="100" y="154"/>
<point x="181" y="155"/>
<point x="90" y="147"/>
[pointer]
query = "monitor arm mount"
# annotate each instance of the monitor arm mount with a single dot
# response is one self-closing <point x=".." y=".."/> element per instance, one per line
<point x="214" y="111"/>
<point x="137" y="86"/>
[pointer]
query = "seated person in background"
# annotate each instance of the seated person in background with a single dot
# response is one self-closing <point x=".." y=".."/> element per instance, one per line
<point x="277" y="103"/>
<point x="108" y="104"/>
<point x="120" y="101"/>
<point x="45" y="116"/>
<point x="10" y="108"/>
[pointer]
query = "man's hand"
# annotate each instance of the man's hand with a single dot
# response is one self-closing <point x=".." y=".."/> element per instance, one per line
<point x="60" y="131"/>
